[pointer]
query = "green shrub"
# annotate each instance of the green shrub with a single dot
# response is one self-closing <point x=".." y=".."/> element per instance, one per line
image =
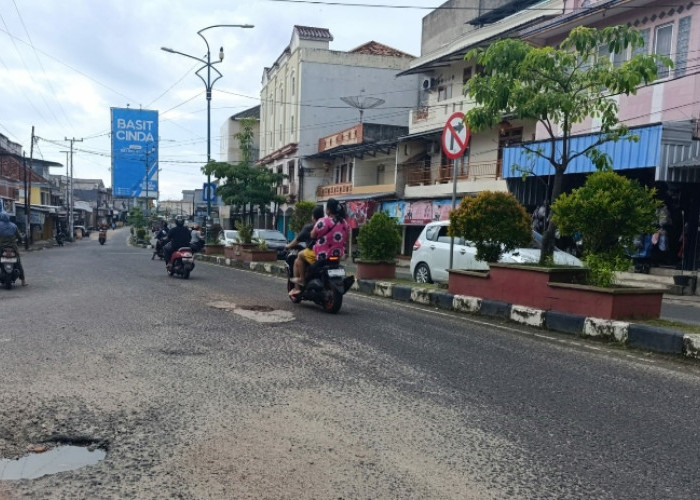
<point x="245" y="233"/>
<point x="301" y="215"/>
<point x="213" y="234"/>
<point x="141" y="234"/>
<point x="379" y="238"/>
<point x="608" y="211"/>
<point x="494" y="221"/>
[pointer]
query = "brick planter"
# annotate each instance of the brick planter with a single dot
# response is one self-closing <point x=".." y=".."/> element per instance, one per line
<point x="556" y="289"/>
<point x="213" y="249"/>
<point x="375" y="270"/>
<point x="250" y="252"/>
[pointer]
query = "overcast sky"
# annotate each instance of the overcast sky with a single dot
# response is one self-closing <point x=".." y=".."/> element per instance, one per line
<point x="64" y="64"/>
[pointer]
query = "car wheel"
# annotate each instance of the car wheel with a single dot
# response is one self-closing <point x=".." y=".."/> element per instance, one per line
<point x="422" y="274"/>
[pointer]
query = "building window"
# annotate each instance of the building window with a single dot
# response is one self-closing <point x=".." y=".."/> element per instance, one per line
<point x="466" y="74"/>
<point x="294" y="84"/>
<point x="662" y="46"/>
<point x="444" y="92"/>
<point x="291" y="124"/>
<point x="290" y="171"/>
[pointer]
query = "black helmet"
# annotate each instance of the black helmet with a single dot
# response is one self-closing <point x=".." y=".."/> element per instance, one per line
<point x="180" y="220"/>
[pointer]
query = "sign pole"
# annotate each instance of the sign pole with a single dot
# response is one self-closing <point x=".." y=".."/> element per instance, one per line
<point x="455" y="139"/>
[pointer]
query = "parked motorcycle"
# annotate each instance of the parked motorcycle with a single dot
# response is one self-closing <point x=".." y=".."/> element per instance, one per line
<point x="9" y="267"/>
<point x="325" y="282"/>
<point x="181" y="262"/>
<point x="102" y="236"/>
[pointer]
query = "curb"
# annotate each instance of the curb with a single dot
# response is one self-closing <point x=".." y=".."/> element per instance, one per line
<point x="628" y="334"/>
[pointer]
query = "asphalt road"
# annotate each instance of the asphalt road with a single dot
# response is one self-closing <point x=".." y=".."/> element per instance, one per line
<point x="196" y="390"/>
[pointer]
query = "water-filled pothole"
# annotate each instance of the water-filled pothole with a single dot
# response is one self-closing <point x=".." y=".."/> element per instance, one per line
<point x="58" y="459"/>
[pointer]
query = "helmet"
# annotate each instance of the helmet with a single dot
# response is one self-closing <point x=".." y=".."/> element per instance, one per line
<point x="196" y="227"/>
<point x="180" y="220"/>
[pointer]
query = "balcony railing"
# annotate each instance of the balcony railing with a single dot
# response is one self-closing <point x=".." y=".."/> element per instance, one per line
<point x="334" y="190"/>
<point x="418" y="176"/>
<point x="474" y="170"/>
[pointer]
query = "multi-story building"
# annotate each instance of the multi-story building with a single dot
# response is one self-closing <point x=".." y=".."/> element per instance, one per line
<point x="448" y="33"/>
<point x="664" y="115"/>
<point x="301" y="102"/>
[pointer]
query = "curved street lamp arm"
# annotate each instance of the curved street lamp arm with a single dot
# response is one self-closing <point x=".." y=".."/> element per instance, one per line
<point x="168" y="49"/>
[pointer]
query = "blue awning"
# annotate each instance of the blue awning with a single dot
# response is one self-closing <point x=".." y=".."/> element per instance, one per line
<point x="625" y="154"/>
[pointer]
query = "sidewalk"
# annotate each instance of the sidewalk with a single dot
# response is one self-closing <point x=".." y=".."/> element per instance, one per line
<point x="641" y="336"/>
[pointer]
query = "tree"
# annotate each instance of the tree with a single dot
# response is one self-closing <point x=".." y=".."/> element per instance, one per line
<point x="244" y="184"/>
<point x="302" y="215"/>
<point x="608" y="211"/>
<point x="560" y="87"/>
<point x="379" y="239"/>
<point x="494" y="221"/>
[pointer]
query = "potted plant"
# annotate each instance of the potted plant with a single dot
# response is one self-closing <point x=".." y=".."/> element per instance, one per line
<point x="250" y="249"/>
<point x="378" y="242"/>
<point x="213" y="245"/>
<point x="606" y="211"/>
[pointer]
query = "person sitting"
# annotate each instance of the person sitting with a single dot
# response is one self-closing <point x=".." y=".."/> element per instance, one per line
<point x="178" y="237"/>
<point x="9" y="236"/>
<point x="331" y="235"/>
<point x="196" y="240"/>
<point x="304" y="236"/>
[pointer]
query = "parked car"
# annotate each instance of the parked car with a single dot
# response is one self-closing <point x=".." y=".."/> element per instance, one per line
<point x="431" y="254"/>
<point x="275" y="240"/>
<point x="228" y="237"/>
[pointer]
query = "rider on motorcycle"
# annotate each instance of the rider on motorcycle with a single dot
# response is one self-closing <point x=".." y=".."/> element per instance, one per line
<point x="197" y="240"/>
<point x="331" y="234"/>
<point x="178" y="237"/>
<point x="160" y="238"/>
<point x="304" y="236"/>
<point x="9" y="236"/>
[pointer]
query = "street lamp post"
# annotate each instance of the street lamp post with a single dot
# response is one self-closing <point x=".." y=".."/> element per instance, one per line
<point x="209" y="85"/>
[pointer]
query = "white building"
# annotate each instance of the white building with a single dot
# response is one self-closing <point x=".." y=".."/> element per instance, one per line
<point x="301" y="102"/>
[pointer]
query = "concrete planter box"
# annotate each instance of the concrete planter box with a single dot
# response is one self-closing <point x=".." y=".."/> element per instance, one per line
<point x="375" y="270"/>
<point x="556" y="289"/>
<point x="250" y="252"/>
<point x="213" y="249"/>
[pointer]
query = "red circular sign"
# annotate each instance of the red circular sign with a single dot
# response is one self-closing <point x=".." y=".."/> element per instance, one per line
<point x="455" y="136"/>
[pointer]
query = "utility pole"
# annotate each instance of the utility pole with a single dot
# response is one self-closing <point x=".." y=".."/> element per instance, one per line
<point x="70" y="188"/>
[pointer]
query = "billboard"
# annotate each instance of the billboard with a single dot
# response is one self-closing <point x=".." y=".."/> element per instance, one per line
<point x="134" y="153"/>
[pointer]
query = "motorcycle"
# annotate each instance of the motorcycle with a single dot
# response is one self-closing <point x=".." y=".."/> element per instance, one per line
<point x="181" y="262"/>
<point x="9" y="266"/>
<point x="325" y="283"/>
<point x="102" y="236"/>
<point x="158" y="249"/>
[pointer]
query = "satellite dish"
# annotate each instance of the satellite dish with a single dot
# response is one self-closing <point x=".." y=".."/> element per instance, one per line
<point x="362" y="102"/>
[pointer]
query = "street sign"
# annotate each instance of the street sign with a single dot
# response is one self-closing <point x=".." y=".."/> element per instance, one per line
<point x="209" y="193"/>
<point x="455" y="136"/>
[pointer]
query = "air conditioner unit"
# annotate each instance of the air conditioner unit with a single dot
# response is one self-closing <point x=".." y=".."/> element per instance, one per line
<point x="426" y="84"/>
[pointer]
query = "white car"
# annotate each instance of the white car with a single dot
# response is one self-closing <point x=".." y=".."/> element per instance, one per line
<point x="431" y="255"/>
<point x="228" y="237"/>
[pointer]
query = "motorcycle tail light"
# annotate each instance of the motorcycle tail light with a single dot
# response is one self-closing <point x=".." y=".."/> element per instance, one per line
<point x="334" y="258"/>
<point x="8" y="253"/>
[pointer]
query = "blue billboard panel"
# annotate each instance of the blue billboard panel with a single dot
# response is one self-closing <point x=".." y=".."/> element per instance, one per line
<point x="134" y="153"/>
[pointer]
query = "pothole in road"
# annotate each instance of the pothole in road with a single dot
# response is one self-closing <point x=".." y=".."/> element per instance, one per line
<point x="43" y="460"/>
<point x="259" y="313"/>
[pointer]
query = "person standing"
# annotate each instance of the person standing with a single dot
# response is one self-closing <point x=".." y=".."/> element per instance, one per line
<point x="9" y="236"/>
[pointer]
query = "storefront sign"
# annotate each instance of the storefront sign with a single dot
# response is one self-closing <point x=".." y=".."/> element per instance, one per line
<point x="418" y="213"/>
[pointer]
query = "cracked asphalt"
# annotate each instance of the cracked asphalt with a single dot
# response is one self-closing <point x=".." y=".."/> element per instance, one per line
<point x="219" y="387"/>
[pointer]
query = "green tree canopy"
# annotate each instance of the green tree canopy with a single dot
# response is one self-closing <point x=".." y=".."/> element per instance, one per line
<point x="301" y="215"/>
<point x="608" y="211"/>
<point x="494" y="221"/>
<point x="243" y="184"/>
<point x="560" y="87"/>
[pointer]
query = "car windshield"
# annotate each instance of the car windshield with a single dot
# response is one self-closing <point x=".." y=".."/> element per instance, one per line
<point x="271" y="235"/>
<point x="229" y="235"/>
